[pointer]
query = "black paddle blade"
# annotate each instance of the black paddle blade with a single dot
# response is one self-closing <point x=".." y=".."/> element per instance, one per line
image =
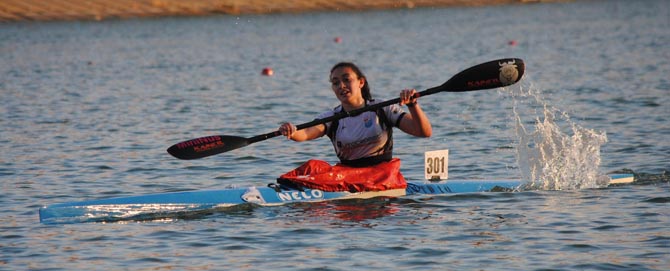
<point x="206" y="146"/>
<point x="492" y="74"/>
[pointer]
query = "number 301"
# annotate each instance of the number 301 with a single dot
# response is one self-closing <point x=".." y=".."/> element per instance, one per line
<point x="435" y="165"/>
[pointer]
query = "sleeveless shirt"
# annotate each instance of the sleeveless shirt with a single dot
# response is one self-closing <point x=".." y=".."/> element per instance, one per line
<point x="364" y="139"/>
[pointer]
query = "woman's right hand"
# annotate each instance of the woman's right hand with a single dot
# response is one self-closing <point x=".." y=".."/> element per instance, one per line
<point x="287" y="129"/>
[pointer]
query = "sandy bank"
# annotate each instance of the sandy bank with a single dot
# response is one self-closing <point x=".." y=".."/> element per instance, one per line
<point x="50" y="10"/>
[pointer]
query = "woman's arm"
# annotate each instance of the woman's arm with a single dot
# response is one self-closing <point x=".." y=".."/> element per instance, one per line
<point x="290" y="131"/>
<point x="415" y="123"/>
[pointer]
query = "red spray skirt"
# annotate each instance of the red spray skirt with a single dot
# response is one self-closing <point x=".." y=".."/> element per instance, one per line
<point x="317" y="174"/>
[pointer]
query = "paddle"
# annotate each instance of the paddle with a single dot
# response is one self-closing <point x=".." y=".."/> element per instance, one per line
<point x="493" y="74"/>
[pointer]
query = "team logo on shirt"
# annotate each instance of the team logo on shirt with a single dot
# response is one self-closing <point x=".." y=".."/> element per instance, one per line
<point x="368" y="122"/>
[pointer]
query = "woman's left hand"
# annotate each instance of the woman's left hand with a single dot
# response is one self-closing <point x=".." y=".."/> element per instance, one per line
<point x="408" y="97"/>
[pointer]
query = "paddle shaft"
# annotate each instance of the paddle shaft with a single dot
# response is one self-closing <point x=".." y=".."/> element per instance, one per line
<point x="492" y="74"/>
<point x="337" y="116"/>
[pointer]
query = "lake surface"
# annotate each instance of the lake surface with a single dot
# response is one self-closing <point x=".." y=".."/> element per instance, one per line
<point x="89" y="108"/>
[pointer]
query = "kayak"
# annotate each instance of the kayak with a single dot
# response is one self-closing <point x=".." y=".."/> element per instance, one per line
<point x="162" y="205"/>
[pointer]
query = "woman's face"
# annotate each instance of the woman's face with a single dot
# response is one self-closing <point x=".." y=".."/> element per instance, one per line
<point x="346" y="85"/>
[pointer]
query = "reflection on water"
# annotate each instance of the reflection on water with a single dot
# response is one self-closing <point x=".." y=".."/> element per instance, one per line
<point x="362" y="212"/>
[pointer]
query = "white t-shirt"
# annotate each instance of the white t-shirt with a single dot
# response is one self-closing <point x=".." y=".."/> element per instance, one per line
<point x="362" y="135"/>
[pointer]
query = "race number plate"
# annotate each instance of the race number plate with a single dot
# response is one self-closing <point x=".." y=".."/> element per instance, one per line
<point x="436" y="165"/>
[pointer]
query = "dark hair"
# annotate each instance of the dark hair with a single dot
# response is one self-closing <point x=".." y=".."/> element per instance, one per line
<point x="365" y="90"/>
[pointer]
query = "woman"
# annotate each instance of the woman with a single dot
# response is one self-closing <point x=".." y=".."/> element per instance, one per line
<point x="356" y="140"/>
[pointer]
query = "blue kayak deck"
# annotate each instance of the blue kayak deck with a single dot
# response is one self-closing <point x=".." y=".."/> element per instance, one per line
<point x="164" y="204"/>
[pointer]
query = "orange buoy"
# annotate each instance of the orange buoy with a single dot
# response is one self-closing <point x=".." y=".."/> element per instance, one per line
<point x="512" y="43"/>
<point x="267" y="71"/>
<point x="337" y="40"/>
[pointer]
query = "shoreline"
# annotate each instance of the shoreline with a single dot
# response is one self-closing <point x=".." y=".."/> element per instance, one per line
<point x="98" y="10"/>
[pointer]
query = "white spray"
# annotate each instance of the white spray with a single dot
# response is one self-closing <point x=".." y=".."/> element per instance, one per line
<point x="558" y="154"/>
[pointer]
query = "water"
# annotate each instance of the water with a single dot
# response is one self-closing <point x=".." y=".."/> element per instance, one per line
<point x="88" y="109"/>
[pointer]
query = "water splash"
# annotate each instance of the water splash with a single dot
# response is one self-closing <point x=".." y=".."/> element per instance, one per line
<point x="553" y="152"/>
